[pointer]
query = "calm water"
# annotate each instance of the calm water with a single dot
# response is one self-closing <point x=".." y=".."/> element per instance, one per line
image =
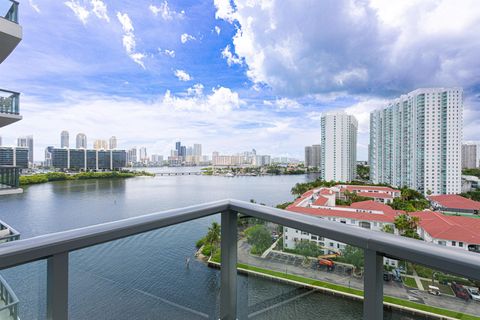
<point x="145" y="276"/>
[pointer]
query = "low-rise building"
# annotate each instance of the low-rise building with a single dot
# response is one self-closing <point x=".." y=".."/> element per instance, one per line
<point x="455" y="204"/>
<point x="378" y="194"/>
<point x="450" y="231"/>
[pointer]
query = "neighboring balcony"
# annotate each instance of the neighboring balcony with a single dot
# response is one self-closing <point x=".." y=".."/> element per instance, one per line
<point x="10" y="30"/>
<point x="9" y="184"/>
<point x="8" y="299"/>
<point x="9" y="107"/>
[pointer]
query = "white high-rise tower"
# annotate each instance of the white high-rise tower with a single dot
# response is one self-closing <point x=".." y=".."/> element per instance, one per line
<point x="416" y="141"/>
<point x="339" y="147"/>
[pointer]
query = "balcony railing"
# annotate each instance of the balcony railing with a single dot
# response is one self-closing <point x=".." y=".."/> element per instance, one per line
<point x="376" y="245"/>
<point x="7" y="233"/>
<point x="10" y="300"/>
<point x="9" y="102"/>
<point x="12" y="13"/>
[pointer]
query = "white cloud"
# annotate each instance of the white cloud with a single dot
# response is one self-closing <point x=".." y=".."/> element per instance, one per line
<point x="182" y="75"/>
<point x="167" y="52"/>
<point x="128" y="40"/>
<point x="217" y="29"/>
<point x="196" y="90"/>
<point x="99" y="8"/>
<point x="224" y="10"/>
<point x="283" y="103"/>
<point x="231" y="58"/>
<point x="186" y="37"/>
<point x="34" y="6"/>
<point x="165" y="12"/>
<point x="80" y="11"/>
<point x="360" y="47"/>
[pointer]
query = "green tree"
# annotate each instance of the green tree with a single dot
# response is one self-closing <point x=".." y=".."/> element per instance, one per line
<point x="259" y="238"/>
<point x="213" y="236"/>
<point x="353" y="256"/>
<point x="388" y="228"/>
<point x="407" y="225"/>
<point x="363" y="172"/>
<point x="308" y="249"/>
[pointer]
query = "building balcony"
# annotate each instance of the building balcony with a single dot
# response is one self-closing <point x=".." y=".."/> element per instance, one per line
<point x="10" y="30"/>
<point x="77" y="277"/>
<point x="9" y="181"/>
<point x="9" y="107"/>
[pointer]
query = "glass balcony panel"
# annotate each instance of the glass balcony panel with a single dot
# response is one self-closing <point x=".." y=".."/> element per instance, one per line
<point x="148" y="276"/>
<point x="417" y="286"/>
<point x="9" y="102"/>
<point x="9" y="177"/>
<point x="293" y="274"/>
<point x="10" y="8"/>
<point x="26" y="284"/>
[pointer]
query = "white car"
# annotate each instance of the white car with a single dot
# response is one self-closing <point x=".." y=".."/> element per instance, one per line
<point x="474" y="293"/>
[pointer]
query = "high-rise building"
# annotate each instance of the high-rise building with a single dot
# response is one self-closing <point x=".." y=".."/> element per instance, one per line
<point x="189" y="151"/>
<point x="48" y="156"/>
<point x="81" y="141"/>
<point x="339" y="147"/>
<point x="416" y="141"/>
<point x="132" y="156"/>
<point x="143" y="154"/>
<point x="64" y="139"/>
<point x="112" y="143"/>
<point x="197" y="149"/>
<point x="100" y="144"/>
<point x="27" y="142"/>
<point x="469" y="156"/>
<point x="313" y="156"/>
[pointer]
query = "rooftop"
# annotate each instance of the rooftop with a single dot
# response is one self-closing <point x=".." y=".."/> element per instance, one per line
<point x="456" y="228"/>
<point x="455" y="202"/>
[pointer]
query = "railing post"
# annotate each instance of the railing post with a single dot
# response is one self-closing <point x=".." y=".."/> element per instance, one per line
<point x="228" y="286"/>
<point x="57" y="287"/>
<point x="373" y="286"/>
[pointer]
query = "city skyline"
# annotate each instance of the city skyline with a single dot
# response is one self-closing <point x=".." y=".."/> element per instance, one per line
<point x="168" y="82"/>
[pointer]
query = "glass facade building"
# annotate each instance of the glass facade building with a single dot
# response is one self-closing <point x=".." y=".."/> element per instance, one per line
<point x="84" y="160"/>
<point x="16" y="157"/>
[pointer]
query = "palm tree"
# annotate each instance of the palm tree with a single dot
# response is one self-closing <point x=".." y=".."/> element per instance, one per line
<point x="213" y="236"/>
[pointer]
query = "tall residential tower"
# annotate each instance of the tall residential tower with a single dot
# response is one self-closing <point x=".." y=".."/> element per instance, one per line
<point x="339" y="147"/>
<point x="469" y="156"/>
<point x="416" y="141"/>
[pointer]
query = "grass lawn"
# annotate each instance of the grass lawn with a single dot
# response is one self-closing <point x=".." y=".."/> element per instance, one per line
<point x="443" y="288"/>
<point x="397" y="301"/>
<point x="410" y="282"/>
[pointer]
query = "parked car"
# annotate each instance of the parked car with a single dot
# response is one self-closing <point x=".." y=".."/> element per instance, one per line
<point x="460" y="291"/>
<point x="473" y="293"/>
<point x="434" y="290"/>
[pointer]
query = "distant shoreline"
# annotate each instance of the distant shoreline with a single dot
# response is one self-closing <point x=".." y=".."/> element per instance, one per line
<point x="40" y="178"/>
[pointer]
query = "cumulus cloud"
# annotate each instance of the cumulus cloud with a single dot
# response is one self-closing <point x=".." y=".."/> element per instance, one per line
<point x="182" y="75"/>
<point x="128" y="40"/>
<point x="230" y="57"/>
<point x="283" y="103"/>
<point x="80" y="11"/>
<point x="165" y="12"/>
<point x="99" y="8"/>
<point x="34" y="6"/>
<point x="185" y="37"/>
<point x="217" y="29"/>
<point x="167" y="52"/>
<point x="196" y="90"/>
<point x="359" y="47"/>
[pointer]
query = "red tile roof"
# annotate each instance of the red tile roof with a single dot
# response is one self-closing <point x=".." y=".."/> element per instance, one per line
<point x="321" y="201"/>
<point x="373" y="188"/>
<point x="375" y="195"/>
<point x="454" y="201"/>
<point x="456" y="228"/>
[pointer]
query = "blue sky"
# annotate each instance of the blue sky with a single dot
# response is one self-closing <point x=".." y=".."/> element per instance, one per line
<point x="232" y="75"/>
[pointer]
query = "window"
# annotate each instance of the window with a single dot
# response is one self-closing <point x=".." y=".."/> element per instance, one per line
<point x="454" y="244"/>
<point x="460" y="244"/>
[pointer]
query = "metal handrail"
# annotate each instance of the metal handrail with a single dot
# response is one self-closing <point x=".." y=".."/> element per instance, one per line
<point x="56" y="247"/>
<point x="11" y="299"/>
